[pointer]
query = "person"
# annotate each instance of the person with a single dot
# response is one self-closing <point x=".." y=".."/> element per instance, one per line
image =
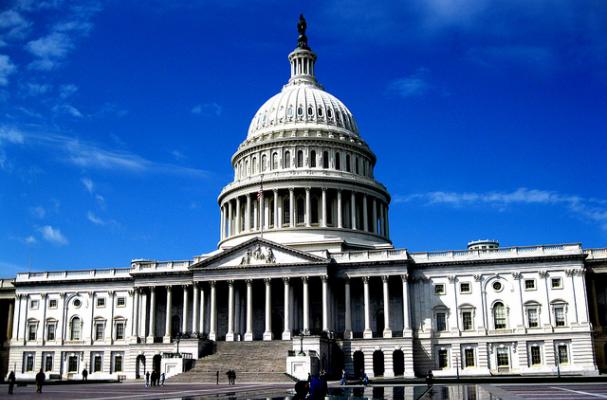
<point x="162" y="378"/>
<point x="217" y="377"/>
<point x="365" y="379"/>
<point x="344" y="377"/>
<point x="154" y="377"/>
<point x="301" y="390"/>
<point x="11" y="382"/>
<point x="147" y="379"/>
<point x="315" y="388"/>
<point x="85" y="374"/>
<point x="324" y="387"/>
<point x="233" y="377"/>
<point x="39" y="381"/>
<point x="429" y="378"/>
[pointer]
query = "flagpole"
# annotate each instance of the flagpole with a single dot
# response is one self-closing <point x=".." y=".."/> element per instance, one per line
<point x="260" y="197"/>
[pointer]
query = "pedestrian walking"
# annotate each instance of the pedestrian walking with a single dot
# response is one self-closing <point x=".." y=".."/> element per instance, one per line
<point x="39" y="381"/>
<point x="11" y="382"/>
<point x="147" y="379"/>
<point x="85" y="374"/>
<point x="343" y="377"/>
<point x="429" y="378"/>
<point x="162" y="378"/>
<point x="217" y="373"/>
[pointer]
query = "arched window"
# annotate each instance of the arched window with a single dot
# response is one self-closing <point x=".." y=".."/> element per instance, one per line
<point x="310" y="110"/>
<point x="290" y="111"/>
<point x="287" y="159"/>
<point x="319" y="112"/>
<point x="312" y="159"/>
<point x="275" y="161"/>
<point x="300" y="111"/>
<point x="348" y="163"/>
<point x="75" y="329"/>
<point x="356" y="165"/>
<point x="301" y="210"/>
<point x="325" y="159"/>
<point x="337" y="161"/>
<point x="499" y="315"/>
<point x="246" y="167"/>
<point x="300" y="159"/>
<point x="254" y="162"/>
<point x="264" y="163"/>
<point x="329" y="113"/>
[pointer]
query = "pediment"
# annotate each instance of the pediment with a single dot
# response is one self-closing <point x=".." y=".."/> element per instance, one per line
<point x="258" y="253"/>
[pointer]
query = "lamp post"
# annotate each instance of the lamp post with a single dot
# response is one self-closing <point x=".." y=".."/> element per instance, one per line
<point x="177" y="340"/>
<point x="301" y="338"/>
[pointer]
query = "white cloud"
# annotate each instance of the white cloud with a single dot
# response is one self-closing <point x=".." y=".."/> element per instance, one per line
<point x="89" y="185"/>
<point x="13" y="25"/>
<point x="6" y="69"/>
<point x="68" y="90"/>
<point x="207" y="109"/>
<point x="37" y="89"/>
<point x="30" y="240"/>
<point x="413" y="85"/>
<point x="9" y="135"/>
<point x="53" y="235"/>
<point x="50" y="50"/>
<point x="68" y="109"/>
<point x="94" y="219"/>
<point x="178" y="155"/>
<point x="38" y="212"/>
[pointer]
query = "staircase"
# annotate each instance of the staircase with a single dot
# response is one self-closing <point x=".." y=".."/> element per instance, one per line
<point x="257" y="361"/>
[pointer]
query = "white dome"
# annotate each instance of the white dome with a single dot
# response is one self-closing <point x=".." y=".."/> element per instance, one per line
<point x="303" y="105"/>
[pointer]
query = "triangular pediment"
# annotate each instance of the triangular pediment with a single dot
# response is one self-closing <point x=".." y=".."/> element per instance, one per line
<point x="258" y="252"/>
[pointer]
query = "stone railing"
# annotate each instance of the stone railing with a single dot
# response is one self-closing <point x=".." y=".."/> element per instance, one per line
<point x="91" y="274"/>
<point x="596" y="254"/>
<point x="370" y="255"/>
<point x="506" y="252"/>
<point x="159" y="266"/>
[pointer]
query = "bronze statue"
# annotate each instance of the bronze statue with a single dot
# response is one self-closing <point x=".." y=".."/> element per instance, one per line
<point x="302" y="40"/>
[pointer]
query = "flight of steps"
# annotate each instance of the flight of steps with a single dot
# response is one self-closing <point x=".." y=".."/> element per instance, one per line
<point x="257" y="361"/>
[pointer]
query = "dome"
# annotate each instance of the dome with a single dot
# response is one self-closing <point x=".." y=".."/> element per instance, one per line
<point x="303" y="105"/>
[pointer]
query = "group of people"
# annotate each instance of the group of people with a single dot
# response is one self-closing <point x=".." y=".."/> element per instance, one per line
<point x="154" y="379"/>
<point x="231" y="377"/>
<point x="315" y="387"/>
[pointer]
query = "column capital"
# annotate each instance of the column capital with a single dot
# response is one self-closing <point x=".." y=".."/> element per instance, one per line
<point x="452" y="278"/>
<point x="249" y="281"/>
<point x="185" y="286"/>
<point x="275" y="191"/>
<point x="405" y="277"/>
<point x="324" y="188"/>
<point x="212" y="283"/>
<point x="267" y="280"/>
<point x="152" y="289"/>
<point x="285" y="279"/>
<point x="304" y="279"/>
<point x="385" y="278"/>
<point x="324" y="278"/>
<point x="308" y="188"/>
<point x="231" y="282"/>
<point x="517" y="275"/>
<point x="43" y="295"/>
<point x="291" y="188"/>
<point x="168" y="287"/>
<point x="365" y="279"/>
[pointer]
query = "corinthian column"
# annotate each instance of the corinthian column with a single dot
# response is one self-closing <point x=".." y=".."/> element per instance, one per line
<point x="387" y="331"/>
<point x="184" y="322"/>
<point x="353" y="209"/>
<point x="213" y="316"/>
<point x="286" y="334"/>
<point x="306" y="311"/>
<point x="267" y="335"/>
<point x="152" y="326"/>
<point x="324" y="207"/>
<point x="348" y="311"/>
<point x="168" y="322"/>
<point x="248" y="336"/>
<point x="230" y="334"/>
<point x="308" y="216"/>
<point x="195" y="304"/>
<point x="325" y="304"/>
<point x="367" y="334"/>
<point x="339" y="208"/>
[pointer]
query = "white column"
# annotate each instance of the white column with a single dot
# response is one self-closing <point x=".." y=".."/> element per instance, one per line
<point x="367" y="334"/>
<point x="202" y="311"/>
<point x="9" y="324"/>
<point x="324" y="207"/>
<point x="387" y="222"/>
<point x="230" y="334"/>
<point x="374" y="215"/>
<point x="286" y="334"/>
<point x="143" y="308"/>
<point x="152" y="326"/>
<point x="113" y="304"/>
<point x="24" y="324"/>
<point x="339" y="214"/>
<point x="406" y="319"/>
<point x="237" y="220"/>
<point x="267" y="335"/>
<point x="44" y="306"/>
<point x="306" y="311"/>
<point x="291" y="207"/>
<point x="184" y="321"/>
<point x="168" y="323"/>
<point x="213" y="317"/>
<point x="247" y="217"/>
<point x="195" y="303"/>
<point x="387" y="331"/>
<point x="348" y="310"/>
<point x="266" y="213"/>
<point x="308" y="208"/>
<point x="365" y="214"/>
<point x="15" y="330"/>
<point x="275" y="208"/>
<point x="248" y="336"/>
<point x="255" y="215"/>
<point x="353" y="209"/>
<point x="221" y="220"/>
<point x="325" y="304"/>
<point x="230" y="222"/>
<point x="135" y="319"/>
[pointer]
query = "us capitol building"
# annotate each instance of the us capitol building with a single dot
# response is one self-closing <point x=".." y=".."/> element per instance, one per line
<point x="305" y="273"/>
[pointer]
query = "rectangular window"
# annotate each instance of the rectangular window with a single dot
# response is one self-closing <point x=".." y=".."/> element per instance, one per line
<point x="464" y="287"/>
<point x="72" y="364"/>
<point x="563" y="354"/>
<point x="118" y="363"/>
<point x="121" y="302"/>
<point x="29" y="362"/>
<point x="467" y="320"/>
<point x="101" y="302"/>
<point x="97" y="363"/>
<point x="439" y="288"/>
<point x="536" y="358"/>
<point x="119" y="330"/>
<point x="469" y="358"/>
<point x="34" y="304"/>
<point x="32" y="329"/>
<point x="556" y="283"/>
<point x="441" y="322"/>
<point x="503" y="359"/>
<point x="559" y="316"/>
<point x="532" y="318"/>
<point x="529" y="284"/>
<point x="50" y="331"/>
<point x="52" y="303"/>
<point x="48" y="363"/>
<point x="443" y="358"/>
<point x="99" y="330"/>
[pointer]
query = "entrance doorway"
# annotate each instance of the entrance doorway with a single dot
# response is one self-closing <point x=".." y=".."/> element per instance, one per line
<point x="398" y="362"/>
<point x="358" y="359"/>
<point x="156" y="362"/>
<point x="140" y="366"/>
<point x="378" y="363"/>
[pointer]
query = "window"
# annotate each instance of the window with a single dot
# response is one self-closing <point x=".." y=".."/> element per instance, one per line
<point x="499" y="315"/>
<point x="72" y="364"/>
<point x="497" y="286"/>
<point x="118" y="363"/>
<point x="120" y="330"/>
<point x="310" y="110"/>
<point x="121" y="302"/>
<point x="348" y="166"/>
<point x="337" y="161"/>
<point x="275" y="161"/>
<point x="99" y="330"/>
<point x="535" y="355"/>
<point x="559" y="315"/>
<point x="50" y="331"/>
<point x="75" y="329"/>
<point x="77" y="303"/>
<point x="532" y="318"/>
<point x="563" y="353"/>
<point x="469" y="360"/>
<point x="319" y="112"/>
<point x="300" y="159"/>
<point x="464" y="287"/>
<point x="556" y="283"/>
<point x="48" y="362"/>
<point x="439" y="288"/>
<point x="32" y="329"/>
<point x="52" y="303"/>
<point x="101" y="302"/>
<point x="97" y="363"/>
<point x="264" y="163"/>
<point x="325" y="159"/>
<point x="441" y="322"/>
<point x="467" y="320"/>
<point x="299" y="110"/>
<point x="29" y="362"/>
<point x="529" y="284"/>
<point x="287" y="159"/>
<point x="443" y="358"/>
<point x="312" y="159"/>
<point x="34" y="304"/>
<point x="254" y="165"/>
<point x="503" y="359"/>
<point x="290" y="111"/>
<point x="329" y="113"/>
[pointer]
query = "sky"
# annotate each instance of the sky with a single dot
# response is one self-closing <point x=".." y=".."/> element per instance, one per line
<point x="118" y="119"/>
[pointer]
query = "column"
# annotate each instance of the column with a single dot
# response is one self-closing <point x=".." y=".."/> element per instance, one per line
<point x="213" y="317"/>
<point x="184" y="319"/>
<point x="367" y="334"/>
<point x="255" y="215"/>
<point x="308" y="208"/>
<point x="382" y="226"/>
<point x="595" y="306"/>
<point x="135" y="318"/>
<point x="365" y="214"/>
<point x="222" y="223"/>
<point x="387" y="222"/>
<point x="24" y="324"/>
<point x="195" y="303"/>
<point x="291" y="207"/>
<point x="324" y="208"/>
<point x="15" y="330"/>
<point x="152" y="326"/>
<point x="267" y="335"/>
<point x="230" y="223"/>
<point x="113" y="305"/>
<point x="266" y="213"/>
<point x="275" y="208"/>
<point x="143" y="307"/>
<point x="306" y="311"/>
<point x="168" y="320"/>
<point x="325" y="304"/>
<point x="286" y="334"/>
<point x="202" y="310"/>
<point x="230" y="334"/>
<point x="43" y="321"/>
<point x="387" y="331"/>
<point x="406" y="319"/>
<point x="247" y="217"/>
<point x="348" y="311"/>
<point x="237" y="220"/>
<point x="248" y="336"/>
<point x="339" y="216"/>
<point x="353" y="209"/>
<point x="9" y="324"/>
<point x="374" y="215"/>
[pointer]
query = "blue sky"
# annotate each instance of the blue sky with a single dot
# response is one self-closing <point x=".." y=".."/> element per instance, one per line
<point x="118" y="118"/>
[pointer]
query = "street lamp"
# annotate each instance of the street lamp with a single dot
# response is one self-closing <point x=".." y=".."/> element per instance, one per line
<point x="301" y="337"/>
<point x="177" y="340"/>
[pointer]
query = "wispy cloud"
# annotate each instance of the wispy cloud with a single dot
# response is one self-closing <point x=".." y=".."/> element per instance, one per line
<point x="207" y="109"/>
<point x="88" y="184"/>
<point x="94" y="219"/>
<point x="38" y="212"/>
<point x="412" y="85"/>
<point x="53" y="235"/>
<point x="30" y="240"/>
<point x="7" y="68"/>
<point x="590" y="209"/>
